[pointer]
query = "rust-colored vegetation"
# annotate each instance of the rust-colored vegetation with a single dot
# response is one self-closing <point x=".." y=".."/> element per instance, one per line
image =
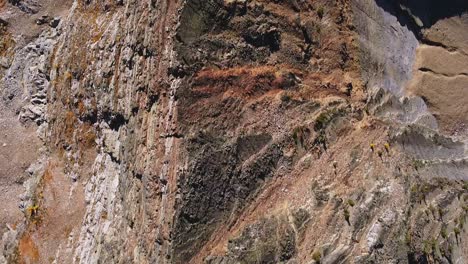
<point x="244" y="81"/>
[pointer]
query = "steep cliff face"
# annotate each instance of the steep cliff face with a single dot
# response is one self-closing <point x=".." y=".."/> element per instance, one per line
<point x="233" y="131"/>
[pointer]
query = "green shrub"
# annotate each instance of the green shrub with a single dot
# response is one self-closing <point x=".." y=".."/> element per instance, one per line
<point x="441" y="212"/>
<point x="347" y="215"/>
<point x="429" y="246"/>
<point x="387" y="147"/>
<point x="317" y="256"/>
<point x="320" y="12"/>
<point x="443" y="232"/>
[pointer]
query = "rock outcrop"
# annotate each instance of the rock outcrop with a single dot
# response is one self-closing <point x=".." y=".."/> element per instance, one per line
<point x="233" y="131"/>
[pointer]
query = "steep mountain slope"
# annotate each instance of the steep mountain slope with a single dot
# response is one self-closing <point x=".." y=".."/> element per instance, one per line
<point x="233" y="131"/>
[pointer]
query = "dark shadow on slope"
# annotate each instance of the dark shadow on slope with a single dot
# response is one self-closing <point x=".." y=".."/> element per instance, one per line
<point x="428" y="11"/>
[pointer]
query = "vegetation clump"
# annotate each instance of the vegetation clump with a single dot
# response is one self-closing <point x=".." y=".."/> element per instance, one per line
<point x="285" y="97"/>
<point x="32" y="213"/>
<point x="387" y="147"/>
<point x="456" y="230"/>
<point x="443" y="232"/>
<point x="408" y="237"/>
<point x="431" y="247"/>
<point x="320" y="12"/>
<point x="432" y="209"/>
<point x="325" y="118"/>
<point x="321" y="140"/>
<point x="418" y="164"/>
<point x="380" y="154"/>
<point x="300" y="135"/>
<point x="317" y="256"/>
<point x="347" y="215"/>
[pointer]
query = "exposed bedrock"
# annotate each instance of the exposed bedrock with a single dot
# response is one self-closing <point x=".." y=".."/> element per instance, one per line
<point x="233" y="131"/>
<point x="419" y="83"/>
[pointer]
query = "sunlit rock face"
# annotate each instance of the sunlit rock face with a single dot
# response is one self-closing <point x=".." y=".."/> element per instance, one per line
<point x="233" y="131"/>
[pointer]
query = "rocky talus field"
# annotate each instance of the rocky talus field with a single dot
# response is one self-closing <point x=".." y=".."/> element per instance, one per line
<point x="233" y="131"/>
